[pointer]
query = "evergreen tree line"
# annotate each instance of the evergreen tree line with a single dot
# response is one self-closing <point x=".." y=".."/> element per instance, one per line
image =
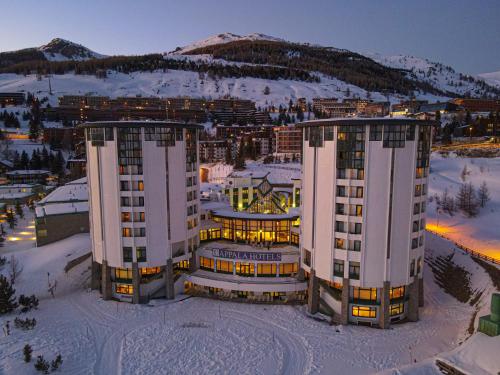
<point x="152" y="62"/>
<point x="44" y="159"/>
<point x="9" y="119"/>
<point x="345" y="65"/>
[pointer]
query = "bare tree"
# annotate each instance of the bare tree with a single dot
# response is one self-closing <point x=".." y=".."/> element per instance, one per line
<point x="467" y="200"/>
<point x="464" y="173"/>
<point x="483" y="194"/>
<point x="15" y="269"/>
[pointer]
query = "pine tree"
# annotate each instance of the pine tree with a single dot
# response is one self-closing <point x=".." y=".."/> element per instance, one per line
<point x="27" y="351"/>
<point x="7" y="296"/>
<point x="229" y="153"/>
<point x="483" y="194"/>
<point x="36" y="161"/>
<point x="25" y="161"/>
<point x="467" y="200"/>
<point x="34" y="130"/>
<point x="45" y="158"/>
<point x="58" y="164"/>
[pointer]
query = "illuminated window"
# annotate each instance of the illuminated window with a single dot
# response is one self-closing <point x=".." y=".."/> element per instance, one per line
<point x="123" y="273"/>
<point x="150" y="271"/>
<point x="266" y="269"/>
<point x="124" y="289"/>
<point x="224" y="266"/>
<point x="139" y="217"/>
<point x="339" y="243"/>
<point x="397" y="309"/>
<point x="125" y="217"/>
<point x="364" y="311"/>
<point x="287" y="269"/>
<point x="206" y="264"/>
<point x="365" y="294"/>
<point x="397" y="292"/>
<point x="127" y="232"/>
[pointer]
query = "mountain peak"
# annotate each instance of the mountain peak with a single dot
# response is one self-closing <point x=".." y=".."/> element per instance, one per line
<point x="222" y="38"/>
<point x="59" y="49"/>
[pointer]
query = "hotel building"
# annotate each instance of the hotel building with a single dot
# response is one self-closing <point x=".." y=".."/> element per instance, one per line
<point x="144" y="206"/>
<point x="364" y="186"/>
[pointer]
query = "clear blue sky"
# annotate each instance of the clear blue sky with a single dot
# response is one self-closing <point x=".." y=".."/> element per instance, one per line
<point x="462" y="33"/>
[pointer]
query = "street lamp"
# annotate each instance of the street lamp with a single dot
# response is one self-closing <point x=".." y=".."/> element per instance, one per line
<point x="470" y="133"/>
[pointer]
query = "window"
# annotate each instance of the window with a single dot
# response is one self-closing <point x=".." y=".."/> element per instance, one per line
<point x="397" y="292"/>
<point x="138" y="185"/>
<point x="351" y="146"/>
<point x="397" y="309"/>
<point x="341" y="173"/>
<point x="340" y="226"/>
<point x="266" y="269"/>
<point x="363" y="294"/>
<point x="356" y="245"/>
<point x="207" y="264"/>
<point x="124" y="289"/>
<point x="340" y="209"/>
<point x="357" y="228"/>
<point x="286" y="269"/>
<point x="376" y="132"/>
<point x="422" y="207"/>
<point x="307" y="258"/>
<point x="123" y="274"/>
<point x="359" y="192"/>
<point x="224" y="266"/>
<point x="415" y="226"/>
<point x="364" y="311"/>
<point x="339" y="243"/>
<point x="422" y="224"/>
<point x="125" y="217"/>
<point x="138" y="201"/>
<point x="124" y="186"/>
<point x="421" y="241"/>
<point x="416" y="208"/>
<point x="139" y="217"/>
<point x="394" y="136"/>
<point x="358" y="210"/>
<point x="140" y="253"/>
<point x="126" y="232"/>
<point x="410" y="133"/>
<point x="354" y="270"/>
<point x="412" y="268"/>
<point x="148" y="271"/>
<point x="414" y="243"/>
<point x="341" y="191"/>
<point x="139" y="232"/>
<point x="328" y="133"/>
<point x="125" y="201"/>
<point x="338" y="268"/>
<point x="127" y="254"/>
<point x="418" y="190"/>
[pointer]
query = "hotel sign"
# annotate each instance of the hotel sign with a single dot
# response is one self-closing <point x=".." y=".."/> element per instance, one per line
<point x="246" y="255"/>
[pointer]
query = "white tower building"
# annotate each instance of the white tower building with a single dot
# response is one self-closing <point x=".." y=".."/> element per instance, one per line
<point x="144" y="205"/>
<point x="364" y="185"/>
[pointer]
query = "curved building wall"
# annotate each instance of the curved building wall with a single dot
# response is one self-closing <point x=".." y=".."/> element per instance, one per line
<point x="362" y="233"/>
<point x="144" y="202"/>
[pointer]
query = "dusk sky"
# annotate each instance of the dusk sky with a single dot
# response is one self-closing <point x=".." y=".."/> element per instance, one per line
<point x="463" y="34"/>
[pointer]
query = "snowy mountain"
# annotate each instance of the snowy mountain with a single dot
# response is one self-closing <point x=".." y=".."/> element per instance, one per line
<point x="492" y="78"/>
<point x="56" y="50"/>
<point x="63" y="50"/>
<point x="438" y="75"/>
<point x="224" y="38"/>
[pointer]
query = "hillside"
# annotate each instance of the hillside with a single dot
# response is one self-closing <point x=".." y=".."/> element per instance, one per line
<point x="242" y="66"/>
<point x="56" y="50"/>
<point x="492" y="78"/>
<point x="440" y="76"/>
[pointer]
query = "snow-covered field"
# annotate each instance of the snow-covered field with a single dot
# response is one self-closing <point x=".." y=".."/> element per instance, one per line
<point x="203" y="336"/>
<point x="481" y="233"/>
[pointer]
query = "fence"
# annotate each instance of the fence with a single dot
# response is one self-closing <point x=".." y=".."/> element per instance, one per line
<point x="76" y="261"/>
<point x="473" y="253"/>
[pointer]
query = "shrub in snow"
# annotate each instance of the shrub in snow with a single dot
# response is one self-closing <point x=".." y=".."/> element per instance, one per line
<point x="28" y="302"/>
<point x="15" y="269"/>
<point x="467" y="200"/>
<point x="3" y="260"/>
<point x="7" y="296"/>
<point x="42" y="365"/>
<point x="483" y="194"/>
<point x="27" y="351"/>
<point x="25" y="324"/>
<point x="56" y="363"/>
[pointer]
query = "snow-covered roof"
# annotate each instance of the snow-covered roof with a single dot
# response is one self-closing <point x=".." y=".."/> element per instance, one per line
<point x="61" y="208"/>
<point x="363" y="120"/>
<point x="72" y="191"/>
<point x="246" y="215"/>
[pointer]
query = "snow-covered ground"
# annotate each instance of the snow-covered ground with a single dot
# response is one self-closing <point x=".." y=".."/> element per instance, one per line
<point x="481" y="233"/>
<point x="186" y="83"/>
<point x="203" y="336"/>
